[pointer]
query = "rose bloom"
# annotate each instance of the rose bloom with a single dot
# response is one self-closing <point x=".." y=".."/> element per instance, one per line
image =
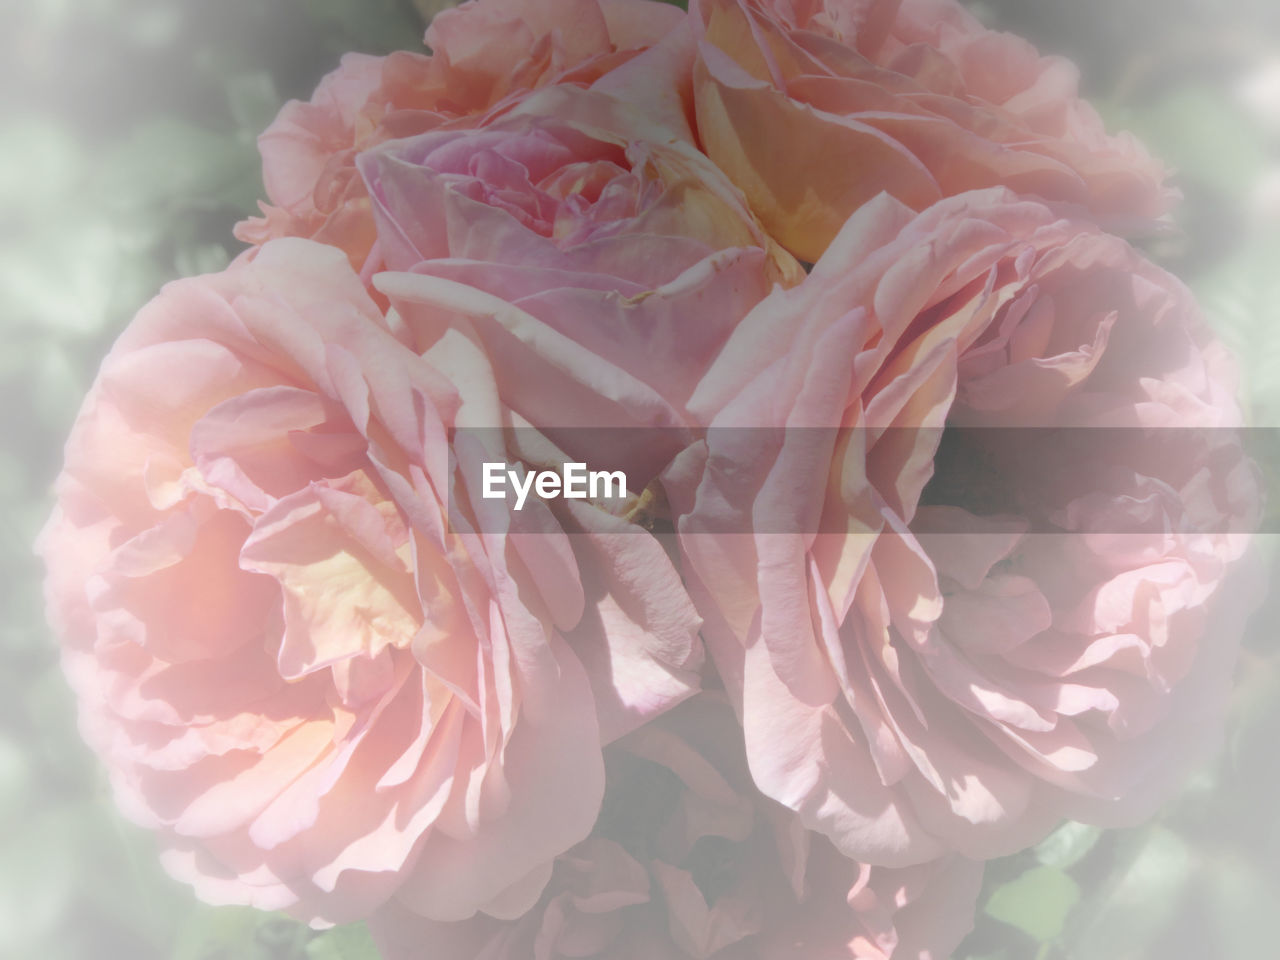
<point x="299" y="663"/>
<point x="963" y="638"/>
<point x="690" y="862"/>
<point x="814" y="108"/>
<point x="484" y="53"/>
<point x="601" y="261"/>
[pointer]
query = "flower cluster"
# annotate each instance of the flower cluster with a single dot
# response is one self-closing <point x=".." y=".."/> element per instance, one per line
<point x="798" y="270"/>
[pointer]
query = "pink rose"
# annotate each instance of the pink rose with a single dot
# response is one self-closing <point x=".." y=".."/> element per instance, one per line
<point x="1042" y="627"/>
<point x="298" y="665"/>
<point x="601" y="261"/>
<point x="814" y="108"/>
<point x="484" y="52"/>
<point x="690" y="862"/>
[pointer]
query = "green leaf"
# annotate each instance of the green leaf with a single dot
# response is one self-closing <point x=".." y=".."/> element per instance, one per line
<point x="1037" y="903"/>
<point x="1067" y="845"/>
<point x="1141" y="894"/>
<point x="240" y="933"/>
<point x="351" y="942"/>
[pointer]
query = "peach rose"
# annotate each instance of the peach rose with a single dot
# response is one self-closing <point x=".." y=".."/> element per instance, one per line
<point x="814" y="108"/>
<point x="485" y="52"/>
<point x="965" y="637"/>
<point x="601" y="262"/>
<point x="298" y="663"/>
<point x="690" y="862"/>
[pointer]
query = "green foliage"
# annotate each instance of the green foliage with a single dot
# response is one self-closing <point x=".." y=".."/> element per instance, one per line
<point x="240" y="933"/>
<point x="127" y="166"/>
<point x="1037" y="903"/>
<point x="1067" y="845"/>
<point x="1139" y="894"/>
<point x="344" y="943"/>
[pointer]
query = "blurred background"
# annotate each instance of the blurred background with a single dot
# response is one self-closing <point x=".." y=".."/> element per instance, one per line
<point x="126" y="155"/>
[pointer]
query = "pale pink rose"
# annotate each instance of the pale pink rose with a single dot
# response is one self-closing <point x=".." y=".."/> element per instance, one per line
<point x="813" y="108"/>
<point x="690" y="862"/>
<point x="966" y="637"/>
<point x="297" y="663"/>
<point x="483" y="53"/>
<point x="601" y="262"/>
